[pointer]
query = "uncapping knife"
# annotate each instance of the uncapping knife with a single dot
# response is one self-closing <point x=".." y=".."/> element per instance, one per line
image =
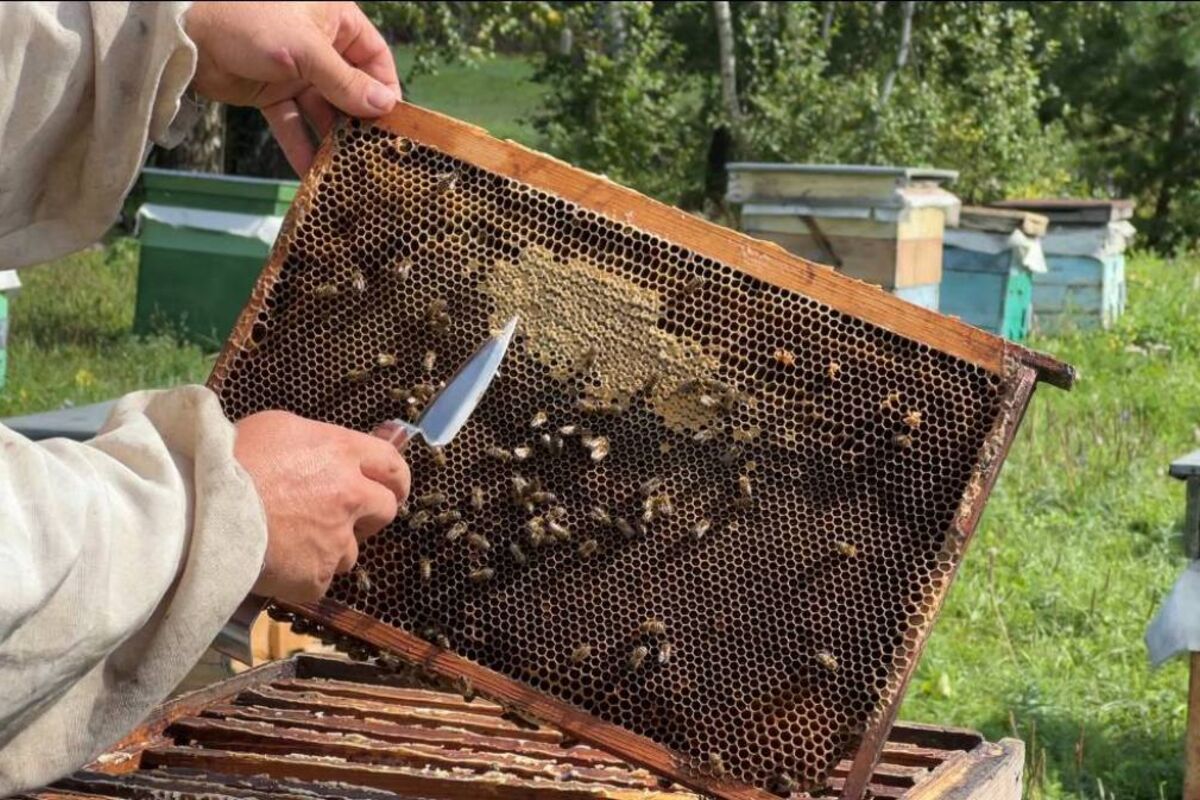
<point x="441" y="421"/>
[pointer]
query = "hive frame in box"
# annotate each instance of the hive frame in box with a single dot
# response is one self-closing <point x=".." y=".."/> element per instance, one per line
<point x="1017" y="367"/>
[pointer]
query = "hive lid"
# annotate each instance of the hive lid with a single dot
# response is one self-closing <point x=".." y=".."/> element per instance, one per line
<point x="808" y="454"/>
<point x="1002" y="220"/>
<point x="1073" y="210"/>
<point x="828" y="183"/>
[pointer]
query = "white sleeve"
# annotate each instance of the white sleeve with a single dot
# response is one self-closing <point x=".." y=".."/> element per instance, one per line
<point x="84" y="87"/>
<point x="120" y="559"/>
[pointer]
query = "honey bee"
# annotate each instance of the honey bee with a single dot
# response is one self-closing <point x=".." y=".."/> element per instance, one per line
<point x="747" y="434"/>
<point x="556" y="445"/>
<point x="539" y="419"/>
<point x="326" y="291"/>
<point x="891" y="401"/>
<point x="500" y="454"/>
<point x="653" y="626"/>
<point x="445" y="181"/>
<point x="588" y="548"/>
<point x="701" y="529"/>
<point x="447" y="517"/>
<point x="568" y="430"/>
<point x="425" y="567"/>
<point x="404" y="269"/>
<point x="385" y="360"/>
<point x="358" y="375"/>
<point x="401" y="145"/>
<point x="694" y="283"/>
<point x="521" y="453"/>
<point x="827" y="661"/>
<point x="597" y="446"/>
<point x="638" y="657"/>
<point x="833" y="370"/>
<point x="363" y="579"/>
<point x="650" y="486"/>
<point x="846" y="549"/>
<point x="429" y="361"/>
<point x="398" y="393"/>
<point x="465" y="687"/>
<point x="477" y="498"/>
<point x="540" y="497"/>
<point x="783" y="784"/>
<point x="624" y="527"/>
<point x="704" y="435"/>
<point x="708" y="401"/>
<point x="581" y="653"/>
<point x="558" y="514"/>
<point x="437" y="457"/>
<point x="442" y="641"/>
<point x="600" y="515"/>
<point x="588" y="360"/>
<point x="913" y="419"/>
<point x="536" y="526"/>
<point x="358" y="281"/>
<point x="419" y="519"/>
<point x="665" y="650"/>
<point x="517" y="553"/>
<point x="651" y="383"/>
<point x="423" y="391"/>
<point x="716" y="765"/>
<point x="558" y="530"/>
<point x="430" y="499"/>
<point x="785" y="357"/>
<point x="479" y="542"/>
<point x="455" y="531"/>
<point x="482" y="575"/>
<point x="902" y="440"/>
<point x="744" y="488"/>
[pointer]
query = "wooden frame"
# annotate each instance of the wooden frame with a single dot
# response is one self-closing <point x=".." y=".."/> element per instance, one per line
<point x="1019" y="367"/>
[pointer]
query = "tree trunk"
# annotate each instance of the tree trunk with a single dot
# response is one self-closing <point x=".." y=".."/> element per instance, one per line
<point x="615" y="21"/>
<point x="889" y="80"/>
<point x="728" y="62"/>
<point x="204" y="148"/>
<point x="827" y="21"/>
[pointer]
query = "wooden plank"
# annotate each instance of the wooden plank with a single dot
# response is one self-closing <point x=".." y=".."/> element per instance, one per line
<point x="936" y="737"/>
<point x="416" y="698"/>
<point x="365" y="709"/>
<point x="265" y="739"/>
<point x="457" y="785"/>
<point x="1191" y="775"/>
<point x="990" y="772"/>
<point x="884" y="262"/>
<point x="397" y="732"/>
<point x="1002" y="220"/>
<point x="1074" y="211"/>
<point x="759" y="259"/>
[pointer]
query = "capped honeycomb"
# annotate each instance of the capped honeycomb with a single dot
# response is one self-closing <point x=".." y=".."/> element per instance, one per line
<point x="710" y="510"/>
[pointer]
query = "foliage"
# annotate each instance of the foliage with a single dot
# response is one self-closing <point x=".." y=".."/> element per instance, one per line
<point x="649" y="111"/>
<point x="1127" y="86"/>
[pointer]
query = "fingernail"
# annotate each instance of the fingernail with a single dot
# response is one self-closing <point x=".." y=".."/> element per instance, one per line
<point x="381" y="97"/>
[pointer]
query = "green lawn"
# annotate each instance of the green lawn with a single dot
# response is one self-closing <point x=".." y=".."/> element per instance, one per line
<point x="1041" y="634"/>
<point x="498" y="94"/>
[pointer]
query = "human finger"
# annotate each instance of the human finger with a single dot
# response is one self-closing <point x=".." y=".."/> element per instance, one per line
<point x="377" y="511"/>
<point x="287" y="126"/>
<point x="350" y="89"/>
<point x="349" y="554"/>
<point x="382" y="463"/>
<point x="365" y="47"/>
<point x="320" y="115"/>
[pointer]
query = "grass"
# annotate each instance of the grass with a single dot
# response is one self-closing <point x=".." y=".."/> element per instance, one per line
<point x="497" y="94"/>
<point x="70" y="341"/>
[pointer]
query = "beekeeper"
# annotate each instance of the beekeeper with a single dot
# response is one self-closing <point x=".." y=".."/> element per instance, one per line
<point x="121" y="557"/>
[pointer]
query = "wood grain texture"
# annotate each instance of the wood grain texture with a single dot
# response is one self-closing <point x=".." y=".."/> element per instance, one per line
<point x="1191" y="774"/>
<point x="990" y="772"/>
<point x="762" y="260"/>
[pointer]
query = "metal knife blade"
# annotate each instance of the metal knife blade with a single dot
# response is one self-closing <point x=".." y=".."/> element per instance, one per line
<point x="439" y="423"/>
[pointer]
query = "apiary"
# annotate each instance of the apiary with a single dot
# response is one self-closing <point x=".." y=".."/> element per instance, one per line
<point x="706" y="514"/>
<point x="879" y="224"/>
<point x="317" y="727"/>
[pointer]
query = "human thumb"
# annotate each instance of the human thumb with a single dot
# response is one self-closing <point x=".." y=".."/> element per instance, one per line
<point x="352" y="90"/>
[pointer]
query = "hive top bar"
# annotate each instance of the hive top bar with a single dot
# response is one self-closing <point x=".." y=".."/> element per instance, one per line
<point x="707" y="512"/>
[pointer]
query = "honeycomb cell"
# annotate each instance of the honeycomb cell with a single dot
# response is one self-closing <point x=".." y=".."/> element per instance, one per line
<point x="755" y="609"/>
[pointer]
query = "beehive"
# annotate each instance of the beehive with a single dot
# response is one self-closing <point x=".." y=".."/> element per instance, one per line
<point x="820" y="452"/>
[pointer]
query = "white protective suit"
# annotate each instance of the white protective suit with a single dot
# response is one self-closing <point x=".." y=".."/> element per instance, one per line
<point x="120" y="558"/>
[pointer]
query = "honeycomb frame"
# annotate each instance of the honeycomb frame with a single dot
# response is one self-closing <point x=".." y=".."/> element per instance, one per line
<point x="842" y="377"/>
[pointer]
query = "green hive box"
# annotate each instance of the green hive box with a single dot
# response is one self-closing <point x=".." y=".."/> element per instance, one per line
<point x="197" y="268"/>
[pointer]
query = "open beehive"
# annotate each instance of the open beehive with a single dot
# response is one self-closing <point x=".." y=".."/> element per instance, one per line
<point x="706" y="514"/>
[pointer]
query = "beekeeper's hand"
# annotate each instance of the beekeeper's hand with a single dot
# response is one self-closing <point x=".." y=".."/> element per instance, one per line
<point x="325" y="489"/>
<point x="293" y="59"/>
